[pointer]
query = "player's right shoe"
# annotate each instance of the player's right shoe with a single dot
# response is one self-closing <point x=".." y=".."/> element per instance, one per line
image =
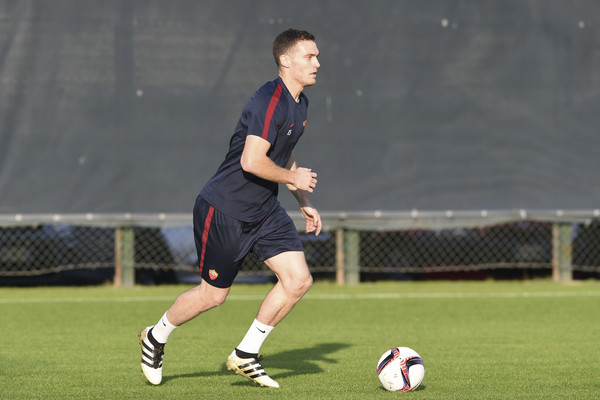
<point x="251" y="369"/>
<point x="152" y="356"/>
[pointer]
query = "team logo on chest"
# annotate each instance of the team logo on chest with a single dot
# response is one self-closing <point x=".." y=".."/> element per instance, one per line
<point x="292" y="125"/>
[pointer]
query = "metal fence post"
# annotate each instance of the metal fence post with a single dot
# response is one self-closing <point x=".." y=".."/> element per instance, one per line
<point x="562" y="252"/>
<point x="124" y="257"/>
<point x="352" y="257"/>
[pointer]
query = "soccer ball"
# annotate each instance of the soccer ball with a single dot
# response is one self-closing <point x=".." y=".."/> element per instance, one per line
<point x="400" y="369"/>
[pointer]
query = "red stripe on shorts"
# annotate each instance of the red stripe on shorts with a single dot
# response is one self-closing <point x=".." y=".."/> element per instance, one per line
<point x="209" y="216"/>
<point x="271" y="110"/>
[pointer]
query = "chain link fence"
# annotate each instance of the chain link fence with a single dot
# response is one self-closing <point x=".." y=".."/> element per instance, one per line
<point x="95" y="249"/>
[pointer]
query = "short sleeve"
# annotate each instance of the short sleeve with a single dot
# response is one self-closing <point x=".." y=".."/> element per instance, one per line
<point x="262" y="115"/>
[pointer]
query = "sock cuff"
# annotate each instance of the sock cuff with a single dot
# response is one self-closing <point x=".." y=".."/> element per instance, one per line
<point x="263" y="327"/>
<point x="163" y="329"/>
<point x="166" y="322"/>
<point x="254" y="338"/>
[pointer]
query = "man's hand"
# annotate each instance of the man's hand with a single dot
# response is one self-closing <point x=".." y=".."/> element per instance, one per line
<point x="313" y="219"/>
<point x="305" y="179"/>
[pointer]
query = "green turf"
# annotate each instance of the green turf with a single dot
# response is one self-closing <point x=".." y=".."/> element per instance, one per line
<point x="479" y="340"/>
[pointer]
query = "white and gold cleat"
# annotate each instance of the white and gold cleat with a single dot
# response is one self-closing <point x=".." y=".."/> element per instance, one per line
<point x="251" y="369"/>
<point x="152" y="356"/>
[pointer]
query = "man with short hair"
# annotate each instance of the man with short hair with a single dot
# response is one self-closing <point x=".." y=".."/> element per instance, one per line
<point x="237" y="212"/>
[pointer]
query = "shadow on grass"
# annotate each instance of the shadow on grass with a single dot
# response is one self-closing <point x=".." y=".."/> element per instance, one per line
<point x="303" y="361"/>
<point x="421" y="387"/>
<point x="296" y="362"/>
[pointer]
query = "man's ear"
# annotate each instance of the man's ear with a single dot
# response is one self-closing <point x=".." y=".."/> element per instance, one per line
<point x="284" y="60"/>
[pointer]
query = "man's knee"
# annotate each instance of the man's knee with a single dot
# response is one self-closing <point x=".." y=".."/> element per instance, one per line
<point x="308" y="282"/>
<point x="299" y="284"/>
<point x="217" y="300"/>
<point x="213" y="296"/>
<point x="292" y="271"/>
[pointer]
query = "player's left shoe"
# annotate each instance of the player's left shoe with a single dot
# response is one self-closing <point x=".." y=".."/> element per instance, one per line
<point x="251" y="369"/>
<point x="152" y="356"/>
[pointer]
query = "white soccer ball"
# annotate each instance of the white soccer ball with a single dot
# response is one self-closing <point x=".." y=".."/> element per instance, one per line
<point x="400" y="369"/>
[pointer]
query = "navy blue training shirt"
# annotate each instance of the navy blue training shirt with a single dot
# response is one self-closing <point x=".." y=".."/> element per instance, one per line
<point x="273" y="114"/>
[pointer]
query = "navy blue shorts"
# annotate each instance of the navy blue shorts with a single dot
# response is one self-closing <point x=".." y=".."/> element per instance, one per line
<point x="222" y="242"/>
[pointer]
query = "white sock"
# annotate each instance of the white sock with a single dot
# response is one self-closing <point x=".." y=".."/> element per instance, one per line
<point x="255" y="337"/>
<point x="163" y="329"/>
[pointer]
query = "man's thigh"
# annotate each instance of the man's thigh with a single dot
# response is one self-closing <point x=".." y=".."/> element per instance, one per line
<point x="289" y="266"/>
<point x="219" y="244"/>
<point x="277" y="234"/>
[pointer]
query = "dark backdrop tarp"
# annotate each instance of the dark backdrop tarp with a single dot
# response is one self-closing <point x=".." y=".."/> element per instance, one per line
<point x="128" y="106"/>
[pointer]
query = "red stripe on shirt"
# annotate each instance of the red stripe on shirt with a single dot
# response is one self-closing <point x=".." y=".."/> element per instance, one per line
<point x="271" y="110"/>
<point x="209" y="216"/>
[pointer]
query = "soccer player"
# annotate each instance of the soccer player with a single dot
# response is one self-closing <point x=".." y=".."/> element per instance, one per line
<point x="237" y="212"/>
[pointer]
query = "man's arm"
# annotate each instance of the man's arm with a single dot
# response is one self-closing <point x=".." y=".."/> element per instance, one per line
<point x="300" y="195"/>
<point x="255" y="161"/>
<point x="312" y="216"/>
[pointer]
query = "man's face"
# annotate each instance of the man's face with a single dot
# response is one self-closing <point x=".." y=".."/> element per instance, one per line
<point x="304" y="62"/>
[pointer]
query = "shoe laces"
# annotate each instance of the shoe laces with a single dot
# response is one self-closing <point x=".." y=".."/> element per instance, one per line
<point x="157" y="349"/>
<point x="157" y="355"/>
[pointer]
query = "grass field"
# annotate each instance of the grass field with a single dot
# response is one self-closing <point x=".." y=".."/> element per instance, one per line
<point x="479" y="340"/>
